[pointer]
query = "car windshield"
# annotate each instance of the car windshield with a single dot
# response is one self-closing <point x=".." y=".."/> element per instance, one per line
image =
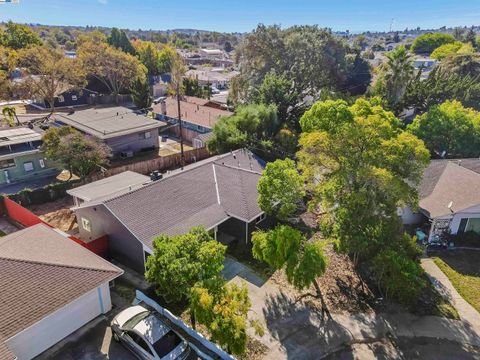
<point x="130" y="324"/>
<point x="167" y="343"/>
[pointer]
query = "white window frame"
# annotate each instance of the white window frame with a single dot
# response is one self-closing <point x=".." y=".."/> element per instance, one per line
<point x="148" y="135"/>
<point x="259" y="219"/>
<point x="42" y="163"/>
<point x="86" y="224"/>
<point x="61" y="99"/>
<point x="30" y="163"/>
<point x="74" y="97"/>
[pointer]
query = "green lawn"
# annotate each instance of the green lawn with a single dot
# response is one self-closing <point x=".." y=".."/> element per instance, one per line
<point x="463" y="270"/>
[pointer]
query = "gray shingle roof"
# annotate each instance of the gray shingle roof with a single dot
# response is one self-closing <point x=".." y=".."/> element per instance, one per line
<point x="43" y="271"/>
<point x="106" y="123"/>
<point x="206" y="194"/>
<point x="446" y="181"/>
<point x="5" y="353"/>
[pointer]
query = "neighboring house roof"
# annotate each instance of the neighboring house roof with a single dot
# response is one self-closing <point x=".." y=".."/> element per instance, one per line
<point x="206" y="193"/>
<point x="18" y="136"/>
<point x="209" y="75"/>
<point x="192" y="111"/>
<point x="445" y="181"/>
<point x="42" y="271"/>
<point x="109" y="122"/>
<point x="204" y="137"/>
<point x="5" y="353"/>
<point x="111" y="186"/>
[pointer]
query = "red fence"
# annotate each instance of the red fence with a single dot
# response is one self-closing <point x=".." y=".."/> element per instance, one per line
<point x="26" y="218"/>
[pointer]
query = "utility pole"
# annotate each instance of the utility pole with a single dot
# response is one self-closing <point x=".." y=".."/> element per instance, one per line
<point x="182" y="155"/>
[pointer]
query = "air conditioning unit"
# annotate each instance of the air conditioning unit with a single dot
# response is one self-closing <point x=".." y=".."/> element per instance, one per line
<point x="126" y="154"/>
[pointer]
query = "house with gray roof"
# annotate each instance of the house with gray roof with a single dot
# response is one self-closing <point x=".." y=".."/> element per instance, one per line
<point x="449" y="197"/>
<point x="125" y="131"/>
<point x="219" y="193"/>
<point x="50" y="286"/>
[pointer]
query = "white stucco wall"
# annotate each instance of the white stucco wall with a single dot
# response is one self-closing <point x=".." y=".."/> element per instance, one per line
<point x="56" y="326"/>
<point x="473" y="212"/>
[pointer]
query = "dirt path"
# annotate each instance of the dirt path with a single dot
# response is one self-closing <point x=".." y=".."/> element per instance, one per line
<point x="57" y="213"/>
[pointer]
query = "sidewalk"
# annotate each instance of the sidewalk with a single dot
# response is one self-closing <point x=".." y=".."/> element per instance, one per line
<point x="445" y="288"/>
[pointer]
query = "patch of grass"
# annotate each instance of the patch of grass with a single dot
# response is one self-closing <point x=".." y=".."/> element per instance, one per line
<point x="467" y="284"/>
<point x="2" y="233"/>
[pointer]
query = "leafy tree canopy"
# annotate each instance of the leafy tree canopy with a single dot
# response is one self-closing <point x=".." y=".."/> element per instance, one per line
<point x="426" y="43"/>
<point x="248" y="127"/>
<point x="80" y="154"/>
<point x="462" y="65"/>
<point x="280" y="189"/>
<point x="180" y="262"/>
<point x="359" y="171"/>
<point x="449" y="128"/>
<point x="445" y="50"/>
<point x="17" y="36"/>
<point x="119" y="40"/>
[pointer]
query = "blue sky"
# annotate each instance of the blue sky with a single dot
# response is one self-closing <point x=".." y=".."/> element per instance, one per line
<point x="244" y="15"/>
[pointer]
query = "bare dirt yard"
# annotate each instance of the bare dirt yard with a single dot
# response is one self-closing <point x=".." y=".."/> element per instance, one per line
<point x="57" y="213"/>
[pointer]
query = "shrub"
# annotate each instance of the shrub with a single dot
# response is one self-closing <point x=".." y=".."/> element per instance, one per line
<point x="398" y="276"/>
<point x="426" y="43"/>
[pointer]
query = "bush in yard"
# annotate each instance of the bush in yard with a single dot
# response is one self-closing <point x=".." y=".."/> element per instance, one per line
<point x="399" y="277"/>
<point x="179" y="262"/>
<point x="223" y="309"/>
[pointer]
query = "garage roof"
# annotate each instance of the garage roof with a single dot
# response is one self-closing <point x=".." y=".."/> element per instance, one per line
<point x="111" y="186"/>
<point x="42" y="271"/>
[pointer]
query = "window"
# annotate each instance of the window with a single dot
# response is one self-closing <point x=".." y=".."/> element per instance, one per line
<point x="86" y="224"/>
<point x="74" y="97"/>
<point x="145" y="135"/>
<point x="140" y="342"/>
<point x="462" y="226"/>
<point x="61" y="99"/>
<point x="473" y="225"/>
<point x="260" y="218"/>
<point x="28" y="166"/>
<point x="7" y="163"/>
<point x="42" y="163"/>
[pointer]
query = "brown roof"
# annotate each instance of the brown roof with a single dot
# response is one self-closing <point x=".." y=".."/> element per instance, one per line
<point x="5" y="353"/>
<point x="206" y="193"/>
<point x="193" y="111"/>
<point x="42" y="271"/>
<point x="446" y="181"/>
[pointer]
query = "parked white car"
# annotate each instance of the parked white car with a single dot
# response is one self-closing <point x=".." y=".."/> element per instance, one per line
<point x="148" y="337"/>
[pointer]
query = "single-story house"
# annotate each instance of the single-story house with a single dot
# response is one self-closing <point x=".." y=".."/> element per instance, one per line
<point x="449" y="197"/>
<point x="216" y="77"/>
<point x="50" y="287"/>
<point x="219" y="193"/>
<point x="125" y="131"/>
<point x="198" y="115"/>
<point x="68" y="98"/>
<point x="21" y="157"/>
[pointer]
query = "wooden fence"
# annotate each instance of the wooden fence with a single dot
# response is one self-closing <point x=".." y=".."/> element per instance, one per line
<point x="160" y="163"/>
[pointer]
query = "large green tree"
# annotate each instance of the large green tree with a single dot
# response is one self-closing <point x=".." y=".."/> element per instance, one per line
<point x="80" y="154"/>
<point x="119" y="40"/>
<point x="462" y="64"/>
<point x="179" y="262"/>
<point x="287" y="248"/>
<point x="141" y="94"/>
<point x="17" y="36"/>
<point x="426" y="43"/>
<point x="449" y="128"/>
<point x="252" y="126"/>
<point x="280" y="189"/>
<point x="394" y="75"/>
<point x="445" y="50"/>
<point x="359" y="166"/>
<point x="114" y="68"/>
<point x="49" y="73"/>
<point x="440" y="86"/>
